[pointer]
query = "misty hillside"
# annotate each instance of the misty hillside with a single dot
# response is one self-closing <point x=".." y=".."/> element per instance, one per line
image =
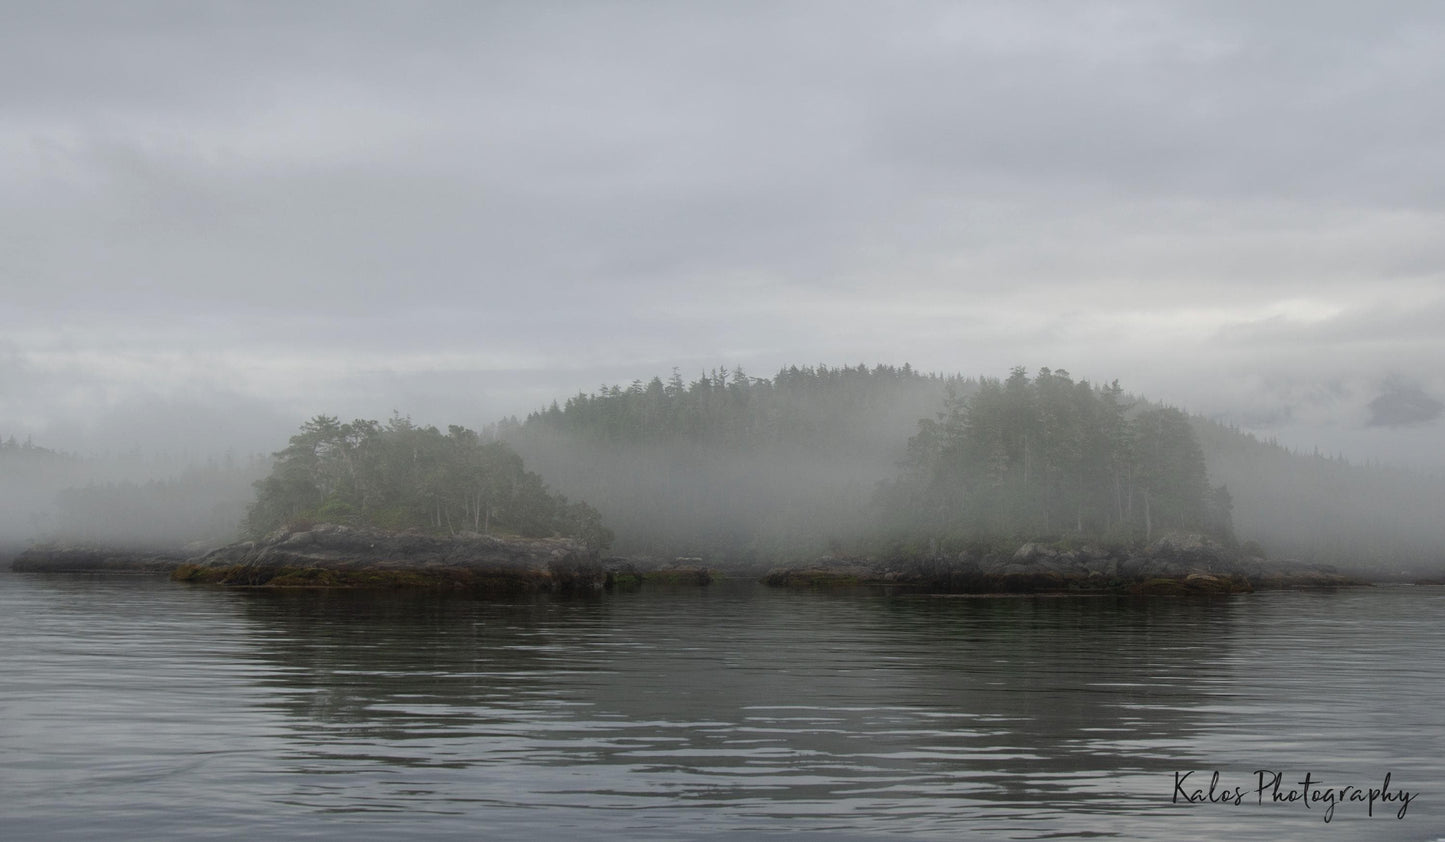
<point x="1381" y="519"/>
<point x="133" y="500"/>
<point x="1045" y="458"/>
<point x="812" y="460"/>
<point x="30" y="476"/>
<point x="732" y="467"/>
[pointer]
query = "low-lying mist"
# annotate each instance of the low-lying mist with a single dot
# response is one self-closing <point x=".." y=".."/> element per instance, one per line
<point x="749" y="470"/>
<point x="128" y="501"/>
<point x="1383" y="520"/>
<point x="732" y="468"/>
<point x="752" y="471"/>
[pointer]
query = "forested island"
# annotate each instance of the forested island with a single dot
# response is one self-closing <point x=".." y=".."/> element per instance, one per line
<point x="850" y="474"/>
<point x="400" y="476"/>
<point x="890" y="462"/>
<point x="1048" y="456"/>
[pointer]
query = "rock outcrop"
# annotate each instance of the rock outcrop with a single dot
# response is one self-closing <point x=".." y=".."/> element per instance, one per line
<point x="1175" y="564"/>
<point x="343" y="556"/>
<point x="1290" y="573"/>
<point x="329" y="555"/>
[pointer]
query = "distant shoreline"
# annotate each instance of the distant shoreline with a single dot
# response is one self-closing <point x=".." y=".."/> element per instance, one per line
<point x="334" y="556"/>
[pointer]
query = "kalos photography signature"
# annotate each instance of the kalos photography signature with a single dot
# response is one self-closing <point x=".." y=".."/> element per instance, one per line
<point x="1267" y="786"/>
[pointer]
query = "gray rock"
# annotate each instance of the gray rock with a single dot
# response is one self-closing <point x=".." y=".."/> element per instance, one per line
<point x="331" y="553"/>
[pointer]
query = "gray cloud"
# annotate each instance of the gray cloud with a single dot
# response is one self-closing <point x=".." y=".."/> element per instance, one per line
<point x="459" y="208"/>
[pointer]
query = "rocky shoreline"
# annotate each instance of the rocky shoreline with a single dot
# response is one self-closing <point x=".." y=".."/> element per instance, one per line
<point x="330" y="555"/>
<point x="1174" y="565"/>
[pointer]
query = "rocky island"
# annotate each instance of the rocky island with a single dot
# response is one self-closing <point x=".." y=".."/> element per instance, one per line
<point x="1117" y="497"/>
<point x="1177" y="564"/>
<point x="337" y="556"/>
<point x="332" y="555"/>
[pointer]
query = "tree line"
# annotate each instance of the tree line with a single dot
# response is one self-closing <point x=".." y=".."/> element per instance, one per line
<point x="1046" y="456"/>
<point x="812" y="460"/>
<point x="743" y="468"/>
<point x="805" y="406"/>
<point x="402" y="476"/>
<point x="732" y="467"/>
<point x="200" y="506"/>
<point x="768" y="470"/>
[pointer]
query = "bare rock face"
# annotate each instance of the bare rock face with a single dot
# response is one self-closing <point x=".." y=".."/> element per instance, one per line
<point x="340" y="556"/>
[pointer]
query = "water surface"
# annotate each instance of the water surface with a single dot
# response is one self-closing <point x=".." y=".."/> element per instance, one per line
<point x="134" y="708"/>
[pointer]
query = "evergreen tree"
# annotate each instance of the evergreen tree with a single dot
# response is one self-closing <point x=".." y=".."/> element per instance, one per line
<point x="1029" y="458"/>
<point x="402" y="476"/>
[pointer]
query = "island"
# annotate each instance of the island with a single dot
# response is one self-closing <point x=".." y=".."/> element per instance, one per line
<point x="1030" y="484"/>
<point x="329" y="555"/>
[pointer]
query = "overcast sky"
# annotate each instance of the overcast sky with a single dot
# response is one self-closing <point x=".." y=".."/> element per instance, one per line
<point x="233" y="216"/>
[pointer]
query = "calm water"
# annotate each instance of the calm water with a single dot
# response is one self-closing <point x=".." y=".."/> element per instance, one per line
<point x="136" y="708"/>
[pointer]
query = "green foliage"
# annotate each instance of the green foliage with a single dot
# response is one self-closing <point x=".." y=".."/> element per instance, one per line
<point x="733" y="468"/>
<point x="336" y="510"/>
<point x="723" y="408"/>
<point x="1047" y="457"/>
<point x="401" y="476"/>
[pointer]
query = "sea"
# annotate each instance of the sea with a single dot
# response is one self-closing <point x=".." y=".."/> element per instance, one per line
<point x="132" y="707"/>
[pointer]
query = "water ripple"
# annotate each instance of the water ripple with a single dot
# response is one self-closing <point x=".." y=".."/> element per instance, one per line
<point x="141" y="708"/>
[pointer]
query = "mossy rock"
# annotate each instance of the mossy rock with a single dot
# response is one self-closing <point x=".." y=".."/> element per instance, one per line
<point x="1159" y="587"/>
<point x="811" y="579"/>
<point x="626" y="581"/>
<point x="186" y="573"/>
<point x="200" y="574"/>
<point x="308" y="577"/>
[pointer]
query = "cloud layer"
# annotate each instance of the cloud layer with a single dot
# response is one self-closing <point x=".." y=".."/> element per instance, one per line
<point x="463" y="210"/>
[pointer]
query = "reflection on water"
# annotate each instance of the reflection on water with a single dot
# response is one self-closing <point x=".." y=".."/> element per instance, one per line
<point x="726" y="711"/>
